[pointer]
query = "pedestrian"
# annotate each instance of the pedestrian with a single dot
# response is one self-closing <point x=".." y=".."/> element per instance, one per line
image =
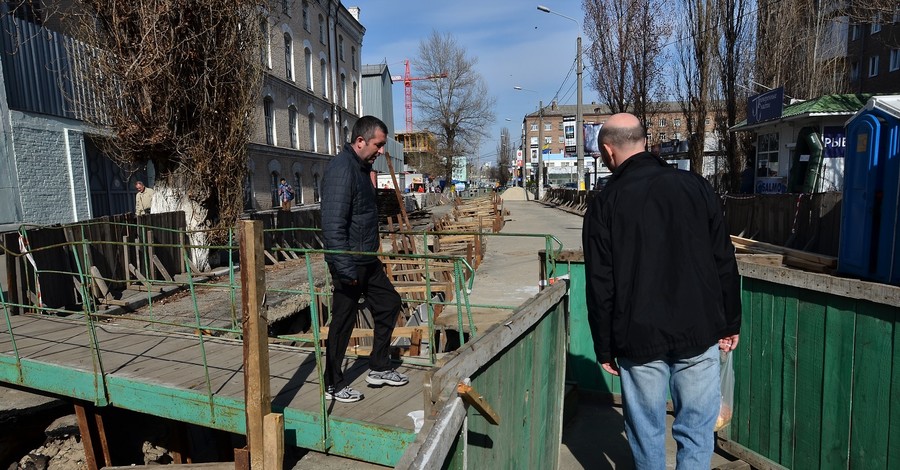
<point x="662" y="294"/>
<point x="143" y="199"/>
<point x="350" y="223"/>
<point x="285" y="195"/>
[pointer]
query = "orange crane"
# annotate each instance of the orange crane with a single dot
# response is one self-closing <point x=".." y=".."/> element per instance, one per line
<point x="407" y="85"/>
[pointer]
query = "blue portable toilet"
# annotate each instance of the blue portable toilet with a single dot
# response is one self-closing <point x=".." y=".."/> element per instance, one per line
<point x="870" y="213"/>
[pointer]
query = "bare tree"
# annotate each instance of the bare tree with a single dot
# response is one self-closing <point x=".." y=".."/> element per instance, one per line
<point x="733" y="65"/>
<point x="697" y="39"/>
<point x="176" y="83"/>
<point x="627" y="53"/>
<point x="504" y="157"/>
<point x="456" y="109"/>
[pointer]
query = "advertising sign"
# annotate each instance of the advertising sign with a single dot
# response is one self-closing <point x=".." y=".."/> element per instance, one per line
<point x="765" y="106"/>
<point x="591" y="133"/>
<point x="569" y="130"/>
<point x="834" y="142"/>
<point x="771" y="185"/>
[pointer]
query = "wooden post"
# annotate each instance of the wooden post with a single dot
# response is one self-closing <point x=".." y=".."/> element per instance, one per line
<point x="274" y="441"/>
<point x="93" y="436"/>
<point x="127" y="261"/>
<point x="151" y="270"/>
<point x="255" y="326"/>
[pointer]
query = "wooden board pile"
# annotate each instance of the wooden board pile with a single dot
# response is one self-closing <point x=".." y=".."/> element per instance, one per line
<point x="773" y="255"/>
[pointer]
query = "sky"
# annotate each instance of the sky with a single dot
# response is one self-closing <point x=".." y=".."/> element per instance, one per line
<point x="514" y="42"/>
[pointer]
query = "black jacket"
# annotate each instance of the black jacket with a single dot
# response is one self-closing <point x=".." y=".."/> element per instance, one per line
<point x="660" y="267"/>
<point x="349" y="213"/>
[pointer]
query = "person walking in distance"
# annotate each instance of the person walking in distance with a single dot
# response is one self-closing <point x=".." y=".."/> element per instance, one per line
<point x="142" y="199"/>
<point x="662" y="293"/>
<point x="285" y="195"/>
<point x="350" y="223"/>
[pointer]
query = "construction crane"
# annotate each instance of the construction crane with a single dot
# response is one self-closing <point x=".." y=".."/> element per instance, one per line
<point x="407" y="85"/>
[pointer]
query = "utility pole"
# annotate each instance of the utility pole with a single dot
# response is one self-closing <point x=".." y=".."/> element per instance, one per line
<point x="579" y="127"/>
<point x="539" y="191"/>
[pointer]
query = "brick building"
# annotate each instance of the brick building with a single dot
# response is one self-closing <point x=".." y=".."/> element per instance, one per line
<point x="873" y="53"/>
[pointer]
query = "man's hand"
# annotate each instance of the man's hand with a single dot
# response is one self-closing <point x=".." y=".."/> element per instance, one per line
<point x="728" y="343"/>
<point x="610" y="367"/>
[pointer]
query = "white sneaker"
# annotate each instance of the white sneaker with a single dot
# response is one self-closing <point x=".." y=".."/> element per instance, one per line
<point x="387" y="377"/>
<point x="345" y="395"/>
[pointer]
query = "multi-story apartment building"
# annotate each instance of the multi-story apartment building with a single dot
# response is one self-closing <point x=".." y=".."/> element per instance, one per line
<point x="873" y="52"/>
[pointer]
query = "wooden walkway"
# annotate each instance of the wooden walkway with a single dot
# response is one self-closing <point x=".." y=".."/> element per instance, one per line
<point x="170" y="365"/>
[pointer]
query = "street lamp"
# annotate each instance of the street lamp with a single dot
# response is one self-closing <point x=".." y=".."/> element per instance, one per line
<point x="539" y="176"/>
<point x="579" y="112"/>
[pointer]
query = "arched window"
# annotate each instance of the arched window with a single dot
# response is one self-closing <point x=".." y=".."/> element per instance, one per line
<point x="298" y="188"/>
<point x="344" y="90"/>
<point x="274" y="189"/>
<point x="307" y="59"/>
<point x="288" y="57"/>
<point x="346" y="134"/>
<point x="323" y="71"/>
<point x="312" y="133"/>
<point x="248" y="191"/>
<point x="306" y="15"/>
<point x="321" y="29"/>
<point x="355" y="100"/>
<point x="327" y="136"/>
<point x="353" y="57"/>
<point x="266" y="46"/>
<point x="269" y="109"/>
<point x="341" y="47"/>
<point x="292" y="127"/>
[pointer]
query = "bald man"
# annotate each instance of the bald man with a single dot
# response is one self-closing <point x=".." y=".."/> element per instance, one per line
<point x="663" y="295"/>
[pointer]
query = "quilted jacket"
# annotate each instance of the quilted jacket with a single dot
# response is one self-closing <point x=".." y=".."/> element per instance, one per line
<point x="349" y="213"/>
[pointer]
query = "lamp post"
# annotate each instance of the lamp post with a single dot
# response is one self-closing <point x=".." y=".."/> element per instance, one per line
<point x="539" y="179"/>
<point x="579" y="112"/>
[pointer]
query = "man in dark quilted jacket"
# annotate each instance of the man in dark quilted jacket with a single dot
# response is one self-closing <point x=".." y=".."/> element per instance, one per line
<point x="350" y="223"/>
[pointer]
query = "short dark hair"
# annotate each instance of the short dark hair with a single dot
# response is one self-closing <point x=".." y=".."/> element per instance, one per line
<point x="365" y="128"/>
<point x="618" y="135"/>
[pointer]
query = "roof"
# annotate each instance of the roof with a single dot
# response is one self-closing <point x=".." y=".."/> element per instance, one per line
<point x="889" y="105"/>
<point x="373" y="69"/>
<point x="825" y="105"/>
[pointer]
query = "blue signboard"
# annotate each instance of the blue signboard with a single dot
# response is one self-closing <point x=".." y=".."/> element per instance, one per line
<point x="765" y="106"/>
<point x="834" y="141"/>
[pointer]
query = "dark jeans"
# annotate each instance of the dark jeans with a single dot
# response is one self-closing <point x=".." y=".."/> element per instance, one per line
<point x="384" y="301"/>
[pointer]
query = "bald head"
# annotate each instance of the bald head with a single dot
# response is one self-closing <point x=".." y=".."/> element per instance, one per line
<point x="621" y="137"/>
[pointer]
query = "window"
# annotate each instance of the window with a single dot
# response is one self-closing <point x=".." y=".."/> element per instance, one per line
<point x="677" y="136"/>
<point x="346" y="134"/>
<point x="855" y="31"/>
<point x="284" y="7"/>
<point x="269" y="109"/>
<point x="676" y="122"/>
<point x="307" y="59"/>
<point x="548" y="140"/>
<point x="292" y="126"/>
<point x="854" y="71"/>
<point x="353" y="57"/>
<point x="534" y="126"/>
<point x="896" y="18"/>
<point x="560" y="126"/>
<point x="343" y="90"/>
<point x="662" y="136"/>
<point x="323" y="72"/>
<point x="321" y="29"/>
<point x="288" y="57"/>
<point x="266" y="46"/>
<point x="341" y="47"/>
<point x="767" y="154"/>
<point x="873" y="65"/>
<point x="316" y="187"/>
<point x="706" y="122"/>
<point x="895" y="59"/>
<point x="298" y="188"/>
<point x="562" y="139"/>
<point x="548" y="126"/>
<point x="355" y="102"/>
<point x="649" y="123"/>
<point x="662" y="123"/>
<point x="273" y="188"/>
<point x="534" y="141"/>
<point x="312" y="133"/>
<point x="876" y="24"/>
<point x="327" y="136"/>
<point x="306" y="15"/>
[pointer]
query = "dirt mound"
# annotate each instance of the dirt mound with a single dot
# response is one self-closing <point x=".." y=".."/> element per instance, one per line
<point x="515" y="194"/>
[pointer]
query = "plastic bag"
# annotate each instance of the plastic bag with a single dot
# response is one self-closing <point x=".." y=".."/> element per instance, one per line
<point x="726" y="375"/>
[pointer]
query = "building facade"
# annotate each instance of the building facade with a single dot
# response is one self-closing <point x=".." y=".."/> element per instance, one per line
<point x="873" y="52"/>
<point x="310" y="97"/>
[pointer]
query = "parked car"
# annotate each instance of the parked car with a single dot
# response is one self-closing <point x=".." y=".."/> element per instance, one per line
<point x="570" y="186"/>
<point x="601" y="183"/>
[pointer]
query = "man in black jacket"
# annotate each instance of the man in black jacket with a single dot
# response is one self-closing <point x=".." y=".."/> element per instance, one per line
<point x="350" y="223"/>
<point x="662" y="293"/>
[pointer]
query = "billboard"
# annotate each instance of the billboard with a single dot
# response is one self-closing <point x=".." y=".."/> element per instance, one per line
<point x="591" y="134"/>
<point x="569" y="131"/>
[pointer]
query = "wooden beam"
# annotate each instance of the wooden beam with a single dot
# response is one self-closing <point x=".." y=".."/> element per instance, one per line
<point x="93" y="437"/>
<point x="254" y="324"/>
<point x="476" y="400"/>
<point x="273" y="435"/>
<point x="162" y="269"/>
<point x="429" y="450"/>
<point x="98" y="280"/>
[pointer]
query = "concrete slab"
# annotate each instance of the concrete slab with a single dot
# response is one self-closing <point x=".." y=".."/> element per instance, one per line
<point x="14" y="402"/>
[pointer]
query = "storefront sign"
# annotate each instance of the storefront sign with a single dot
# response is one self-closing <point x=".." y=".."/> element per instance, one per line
<point x="834" y="141"/>
<point x="765" y="106"/>
<point x="771" y="185"/>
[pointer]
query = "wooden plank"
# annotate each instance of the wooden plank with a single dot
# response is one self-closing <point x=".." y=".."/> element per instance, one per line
<point x="161" y="268"/>
<point x="430" y="450"/>
<point x="273" y="436"/>
<point x="776" y="374"/>
<point x="763" y="374"/>
<point x="871" y="398"/>
<point x="764" y="259"/>
<point x="893" y="458"/>
<point x="477" y="401"/>
<point x="254" y="326"/>
<point x="840" y="319"/>
<point x="757" y="369"/>
<point x="789" y="376"/>
<point x="810" y="359"/>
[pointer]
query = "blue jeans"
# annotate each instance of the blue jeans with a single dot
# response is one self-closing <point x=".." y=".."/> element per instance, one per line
<point x="694" y="384"/>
